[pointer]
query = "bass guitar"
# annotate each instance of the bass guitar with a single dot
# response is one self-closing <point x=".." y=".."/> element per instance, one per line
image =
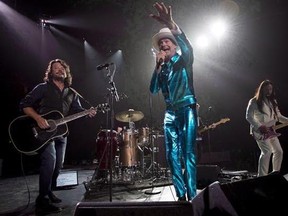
<point x="271" y="131"/>
<point x="28" y="138"/>
<point x="222" y="121"/>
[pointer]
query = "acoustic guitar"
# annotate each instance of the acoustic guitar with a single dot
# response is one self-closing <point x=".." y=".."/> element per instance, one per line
<point x="28" y="138"/>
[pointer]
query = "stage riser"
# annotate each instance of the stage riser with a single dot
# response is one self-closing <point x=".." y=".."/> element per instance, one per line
<point x="133" y="209"/>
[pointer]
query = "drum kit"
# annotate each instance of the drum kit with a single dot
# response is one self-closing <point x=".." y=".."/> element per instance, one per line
<point x="132" y="153"/>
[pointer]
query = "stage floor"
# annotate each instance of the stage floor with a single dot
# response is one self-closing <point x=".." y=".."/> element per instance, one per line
<point x="18" y="194"/>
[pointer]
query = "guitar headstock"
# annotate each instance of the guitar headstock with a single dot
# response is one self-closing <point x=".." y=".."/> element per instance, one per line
<point x="102" y="107"/>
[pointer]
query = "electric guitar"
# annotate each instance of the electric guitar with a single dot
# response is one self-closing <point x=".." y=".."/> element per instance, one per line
<point x="222" y="121"/>
<point x="28" y="138"/>
<point x="271" y="130"/>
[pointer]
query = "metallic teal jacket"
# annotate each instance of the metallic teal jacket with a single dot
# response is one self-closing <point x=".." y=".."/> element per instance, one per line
<point x="176" y="77"/>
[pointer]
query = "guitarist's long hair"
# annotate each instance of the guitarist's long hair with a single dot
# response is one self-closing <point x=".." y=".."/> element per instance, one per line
<point x="260" y="96"/>
<point x="48" y="73"/>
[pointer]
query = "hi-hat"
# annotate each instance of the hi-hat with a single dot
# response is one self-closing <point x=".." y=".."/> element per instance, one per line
<point x="129" y="116"/>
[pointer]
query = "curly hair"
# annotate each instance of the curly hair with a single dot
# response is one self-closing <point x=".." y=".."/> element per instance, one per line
<point x="48" y="73"/>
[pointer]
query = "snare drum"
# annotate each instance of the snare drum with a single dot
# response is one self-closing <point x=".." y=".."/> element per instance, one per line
<point x="128" y="149"/>
<point x="102" y="148"/>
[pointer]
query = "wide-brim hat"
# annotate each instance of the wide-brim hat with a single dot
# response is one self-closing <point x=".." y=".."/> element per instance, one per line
<point x="163" y="33"/>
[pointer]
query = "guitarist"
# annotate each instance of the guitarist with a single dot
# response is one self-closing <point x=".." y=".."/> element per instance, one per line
<point x="261" y="110"/>
<point x="54" y="93"/>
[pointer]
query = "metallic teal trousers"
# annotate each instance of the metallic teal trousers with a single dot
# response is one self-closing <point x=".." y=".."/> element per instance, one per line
<point x="180" y="128"/>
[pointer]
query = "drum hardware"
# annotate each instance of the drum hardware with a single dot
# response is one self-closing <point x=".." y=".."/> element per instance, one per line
<point x="154" y="166"/>
<point x="134" y="156"/>
<point x="128" y="149"/>
<point x="102" y="147"/>
<point x="129" y="156"/>
<point x="142" y="164"/>
<point x="144" y="137"/>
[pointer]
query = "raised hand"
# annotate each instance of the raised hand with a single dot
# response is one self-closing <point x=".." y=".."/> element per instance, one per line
<point x="164" y="15"/>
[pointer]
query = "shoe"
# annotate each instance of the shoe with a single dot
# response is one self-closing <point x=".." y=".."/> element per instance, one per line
<point x="181" y="199"/>
<point x="53" y="198"/>
<point x="43" y="206"/>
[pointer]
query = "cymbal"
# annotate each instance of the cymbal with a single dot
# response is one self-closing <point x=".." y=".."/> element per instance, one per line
<point x="129" y="116"/>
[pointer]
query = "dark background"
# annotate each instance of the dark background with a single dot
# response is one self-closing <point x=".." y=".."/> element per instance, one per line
<point x="225" y="75"/>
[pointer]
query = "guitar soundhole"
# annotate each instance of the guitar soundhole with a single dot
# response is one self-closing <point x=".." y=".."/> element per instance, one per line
<point x="52" y="126"/>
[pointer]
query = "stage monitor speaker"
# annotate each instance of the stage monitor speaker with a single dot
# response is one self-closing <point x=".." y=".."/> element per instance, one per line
<point x="262" y="196"/>
<point x="133" y="209"/>
<point x="258" y="196"/>
<point x="206" y="175"/>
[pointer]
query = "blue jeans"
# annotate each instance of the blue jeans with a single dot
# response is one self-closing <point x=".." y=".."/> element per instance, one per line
<point x="51" y="161"/>
<point x="180" y="128"/>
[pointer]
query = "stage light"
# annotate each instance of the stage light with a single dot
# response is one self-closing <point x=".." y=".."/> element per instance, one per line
<point x="218" y="28"/>
<point x="44" y="21"/>
<point x="202" y="41"/>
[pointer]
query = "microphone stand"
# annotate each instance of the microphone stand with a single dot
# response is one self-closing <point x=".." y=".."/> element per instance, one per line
<point x="114" y="95"/>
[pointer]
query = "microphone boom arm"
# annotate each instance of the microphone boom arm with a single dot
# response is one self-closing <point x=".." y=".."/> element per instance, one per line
<point x="113" y="88"/>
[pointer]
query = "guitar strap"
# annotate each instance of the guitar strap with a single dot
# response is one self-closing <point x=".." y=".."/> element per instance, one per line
<point x="77" y="93"/>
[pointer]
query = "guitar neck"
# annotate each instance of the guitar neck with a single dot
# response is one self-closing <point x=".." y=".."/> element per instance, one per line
<point x="280" y="125"/>
<point x="222" y="121"/>
<point x="215" y="124"/>
<point x="71" y="117"/>
<point x="208" y="127"/>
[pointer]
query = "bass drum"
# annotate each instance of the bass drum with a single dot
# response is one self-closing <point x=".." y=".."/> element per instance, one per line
<point x="103" y="150"/>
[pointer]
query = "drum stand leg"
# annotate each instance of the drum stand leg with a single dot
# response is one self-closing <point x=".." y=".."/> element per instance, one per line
<point x="95" y="181"/>
<point x="151" y="169"/>
<point x="154" y="167"/>
<point x="101" y="175"/>
<point x="142" y="163"/>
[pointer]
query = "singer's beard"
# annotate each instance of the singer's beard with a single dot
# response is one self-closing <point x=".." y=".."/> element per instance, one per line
<point x="59" y="78"/>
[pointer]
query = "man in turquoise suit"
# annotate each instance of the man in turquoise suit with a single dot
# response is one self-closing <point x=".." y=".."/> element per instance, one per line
<point x="173" y="74"/>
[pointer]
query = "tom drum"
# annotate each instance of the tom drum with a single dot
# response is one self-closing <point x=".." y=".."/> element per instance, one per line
<point x="144" y="133"/>
<point x="128" y="149"/>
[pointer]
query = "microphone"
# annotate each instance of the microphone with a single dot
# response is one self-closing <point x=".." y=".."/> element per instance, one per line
<point x="160" y="62"/>
<point x="101" y="66"/>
